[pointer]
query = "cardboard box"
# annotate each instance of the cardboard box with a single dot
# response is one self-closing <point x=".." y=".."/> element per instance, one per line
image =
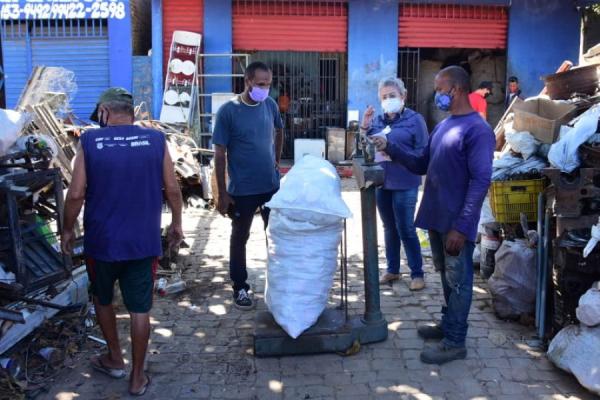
<point x="542" y="118"/>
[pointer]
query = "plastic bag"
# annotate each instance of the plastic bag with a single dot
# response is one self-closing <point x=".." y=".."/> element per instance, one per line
<point x="424" y="242"/>
<point x="513" y="283"/>
<point x="588" y="311"/>
<point x="523" y="143"/>
<point x="589" y="247"/>
<point x="486" y="216"/>
<point x="11" y="125"/>
<point x="311" y="185"/>
<point x="564" y="153"/>
<point x="302" y="262"/>
<point x="576" y="349"/>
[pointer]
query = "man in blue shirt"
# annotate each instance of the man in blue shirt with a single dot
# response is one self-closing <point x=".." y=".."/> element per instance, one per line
<point x="120" y="172"/>
<point x="248" y="137"/>
<point x="458" y="164"/>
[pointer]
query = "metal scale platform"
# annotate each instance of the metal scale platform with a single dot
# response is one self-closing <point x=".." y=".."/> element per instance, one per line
<point x="335" y="330"/>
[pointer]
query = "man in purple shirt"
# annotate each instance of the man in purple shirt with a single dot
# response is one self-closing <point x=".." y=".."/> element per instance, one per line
<point x="458" y="164"/>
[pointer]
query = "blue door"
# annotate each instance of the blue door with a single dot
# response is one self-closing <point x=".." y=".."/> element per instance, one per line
<point x="14" y="58"/>
<point x="80" y="46"/>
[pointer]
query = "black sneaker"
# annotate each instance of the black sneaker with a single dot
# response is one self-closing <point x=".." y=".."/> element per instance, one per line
<point x="242" y="300"/>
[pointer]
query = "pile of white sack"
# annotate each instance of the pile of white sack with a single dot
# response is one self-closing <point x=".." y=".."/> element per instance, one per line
<point x="576" y="348"/>
<point x="513" y="282"/>
<point x="305" y="230"/>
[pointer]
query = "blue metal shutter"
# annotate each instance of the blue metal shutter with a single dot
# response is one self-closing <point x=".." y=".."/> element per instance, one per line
<point x="14" y="53"/>
<point x="15" y="60"/>
<point x="87" y="57"/>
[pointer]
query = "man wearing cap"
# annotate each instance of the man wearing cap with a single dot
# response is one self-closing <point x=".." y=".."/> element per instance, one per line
<point x="478" y="98"/>
<point x="120" y="172"/>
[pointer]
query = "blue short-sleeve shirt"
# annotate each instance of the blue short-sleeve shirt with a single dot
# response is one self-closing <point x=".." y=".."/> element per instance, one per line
<point x="248" y="134"/>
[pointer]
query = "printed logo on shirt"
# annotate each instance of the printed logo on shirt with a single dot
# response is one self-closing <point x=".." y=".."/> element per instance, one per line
<point x="121" y="141"/>
<point x="140" y="143"/>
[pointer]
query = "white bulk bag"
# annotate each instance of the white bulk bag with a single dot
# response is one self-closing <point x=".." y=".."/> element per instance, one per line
<point x="576" y="349"/>
<point x="312" y="185"/>
<point x="588" y="311"/>
<point x="301" y="266"/>
<point x="305" y="230"/>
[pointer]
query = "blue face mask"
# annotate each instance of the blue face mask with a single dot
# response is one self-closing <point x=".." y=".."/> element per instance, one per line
<point x="443" y="101"/>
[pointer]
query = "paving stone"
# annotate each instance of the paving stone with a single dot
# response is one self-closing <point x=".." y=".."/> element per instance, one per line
<point x="202" y="346"/>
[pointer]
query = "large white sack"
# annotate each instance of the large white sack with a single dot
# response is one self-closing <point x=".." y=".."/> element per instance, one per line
<point x="11" y="124"/>
<point x="564" y="154"/>
<point x="513" y="282"/>
<point x="301" y="266"/>
<point x="588" y="311"/>
<point x="312" y="186"/>
<point x="576" y="349"/>
<point x="523" y="143"/>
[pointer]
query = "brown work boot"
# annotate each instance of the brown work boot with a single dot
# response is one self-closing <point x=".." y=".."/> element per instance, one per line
<point x="388" y="278"/>
<point x="417" y="284"/>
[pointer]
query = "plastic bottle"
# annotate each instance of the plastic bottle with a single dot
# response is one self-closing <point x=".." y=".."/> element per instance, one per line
<point x="161" y="284"/>
<point x="174" y="287"/>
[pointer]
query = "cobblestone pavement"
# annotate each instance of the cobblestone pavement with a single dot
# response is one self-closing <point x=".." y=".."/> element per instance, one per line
<point x="202" y="347"/>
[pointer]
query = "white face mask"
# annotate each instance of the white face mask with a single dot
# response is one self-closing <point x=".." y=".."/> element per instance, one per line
<point x="393" y="105"/>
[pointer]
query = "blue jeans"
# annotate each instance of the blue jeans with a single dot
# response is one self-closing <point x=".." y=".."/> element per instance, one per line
<point x="397" y="211"/>
<point x="457" y="283"/>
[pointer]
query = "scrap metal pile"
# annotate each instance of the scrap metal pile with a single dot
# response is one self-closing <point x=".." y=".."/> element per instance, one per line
<point x="547" y="170"/>
<point x="38" y="142"/>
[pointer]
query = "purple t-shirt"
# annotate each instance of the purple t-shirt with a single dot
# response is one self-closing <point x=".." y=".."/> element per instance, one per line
<point x="458" y="164"/>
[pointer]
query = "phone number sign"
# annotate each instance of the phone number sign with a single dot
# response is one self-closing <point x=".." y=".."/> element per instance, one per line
<point x="62" y="9"/>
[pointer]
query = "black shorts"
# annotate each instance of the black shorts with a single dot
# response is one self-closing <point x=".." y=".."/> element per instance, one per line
<point x="136" y="280"/>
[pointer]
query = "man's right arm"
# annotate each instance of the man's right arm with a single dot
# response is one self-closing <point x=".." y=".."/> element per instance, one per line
<point x="416" y="161"/>
<point x="223" y="200"/>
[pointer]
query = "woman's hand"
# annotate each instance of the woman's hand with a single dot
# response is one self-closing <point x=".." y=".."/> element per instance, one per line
<point x="368" y="118"/>
<point x="380" y="142"/>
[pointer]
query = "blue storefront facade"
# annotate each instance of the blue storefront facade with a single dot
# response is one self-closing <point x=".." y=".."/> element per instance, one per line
<point x="90" y="38"/>
<point x="540" y="35"/>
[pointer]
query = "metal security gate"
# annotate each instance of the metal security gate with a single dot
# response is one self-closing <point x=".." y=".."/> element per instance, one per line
<point x="290" y="25"/>
<point x="310" y="89"/>
<point x="452" y="26"/>
<point x="408" y="71"/>
<point x="80" y="46"/>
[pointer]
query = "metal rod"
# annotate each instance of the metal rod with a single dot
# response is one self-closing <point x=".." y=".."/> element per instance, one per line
<point x="540" y="253"/>
<point x="371" y="256"/>
<point x="345" y="245"/>
<point x="11" y="315"/>
<point x="547" y="245"/>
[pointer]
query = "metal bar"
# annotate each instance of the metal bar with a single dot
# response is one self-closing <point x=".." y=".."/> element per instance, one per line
<point x="15" y="235"/>
<point x="345" y="244"/>
<point x="222" y="75"/>
<point x="371" y="257"/>
<point x="540" y="253"/>
<point x="230" y="55"/>
<point x="543" y="298"/>
<point x="11" y="315"/>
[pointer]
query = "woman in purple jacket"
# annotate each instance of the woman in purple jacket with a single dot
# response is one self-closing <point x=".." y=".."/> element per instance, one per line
<point x="397" y="198"/>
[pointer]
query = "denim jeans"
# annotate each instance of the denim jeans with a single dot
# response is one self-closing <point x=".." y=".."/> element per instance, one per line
<point x="397" y="211"/>
<point x="457" y="284"/>
<point x="241" y="222"/>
